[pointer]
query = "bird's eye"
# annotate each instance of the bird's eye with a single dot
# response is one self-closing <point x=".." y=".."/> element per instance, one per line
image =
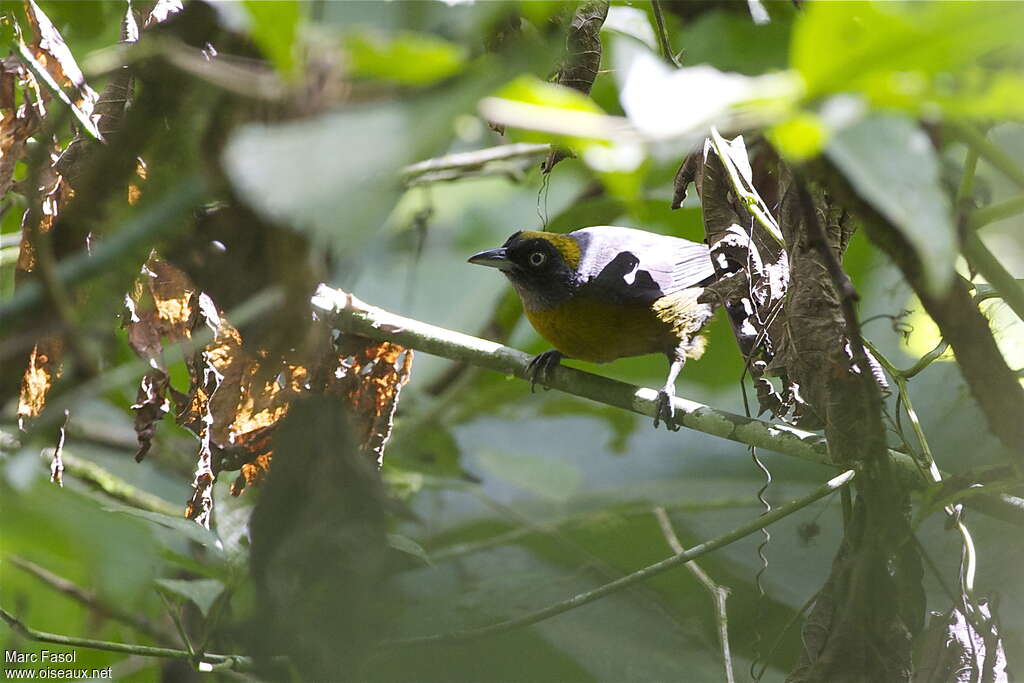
<point x="538" y="258"/>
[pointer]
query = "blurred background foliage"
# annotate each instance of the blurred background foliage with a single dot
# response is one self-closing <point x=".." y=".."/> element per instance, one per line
<point x="516" y="500"/>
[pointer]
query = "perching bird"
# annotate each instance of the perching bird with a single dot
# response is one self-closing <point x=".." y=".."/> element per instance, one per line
<point x="606" y="292"/>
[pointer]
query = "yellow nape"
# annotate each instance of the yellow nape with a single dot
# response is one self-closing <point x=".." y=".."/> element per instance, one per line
<point x="565" y="245"/>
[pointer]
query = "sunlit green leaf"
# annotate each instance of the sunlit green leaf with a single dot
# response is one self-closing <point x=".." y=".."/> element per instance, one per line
<point x="800" y="137"/>
<point x="202" y="592"/>
<point x="274" y="26"/>
<point x="532" y="90"/>
<point x="408" y="58"/>
<point x="336" y="175"/>
<point x="906" y="55"/>
<point x="891" y="163"/>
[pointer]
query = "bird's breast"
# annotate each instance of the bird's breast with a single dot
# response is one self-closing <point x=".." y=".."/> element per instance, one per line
<point x="599" y="331"/>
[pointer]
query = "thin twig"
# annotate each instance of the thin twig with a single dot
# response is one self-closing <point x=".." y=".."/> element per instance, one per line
<point x="966" y="187"/>
<point x="451" y="552"/>
<point x="349" y="314"/>
<point x="719" y="594"/>
<point x="630" y="579"/>
<point x="467" y="162"/>
<point x="174" y="611"/>
<point x="988" y="151"/>
<point x="663" y="41"/>
<point x="91" y="600"/>
<point x="996" y="212"/>
<point x="604" y="570"/>
<point x="751" y="200"/>
<point x="235" y="662"/>
<point x="925" y="360"/>
<point x="117" y="488"/>
<point x="968" y="562"/>
<point x="989" y="267"/>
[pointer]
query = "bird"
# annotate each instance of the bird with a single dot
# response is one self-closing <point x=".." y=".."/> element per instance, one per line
<point x="606" y="292"/>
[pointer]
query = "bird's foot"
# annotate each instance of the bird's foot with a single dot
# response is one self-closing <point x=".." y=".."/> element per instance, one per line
<point x="665" y="412"/>
<point x="541" y="366"/>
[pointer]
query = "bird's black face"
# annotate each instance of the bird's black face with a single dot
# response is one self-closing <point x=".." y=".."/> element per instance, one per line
<point x="535" y="266"/>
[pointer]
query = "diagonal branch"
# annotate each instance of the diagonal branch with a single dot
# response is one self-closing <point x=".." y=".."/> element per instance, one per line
<point x="718" y="593"/>
<point x="91" y="600"/>
<point x="207" y="661"/>
<point x="630" y="579"/>
<point x="347" y="313"/>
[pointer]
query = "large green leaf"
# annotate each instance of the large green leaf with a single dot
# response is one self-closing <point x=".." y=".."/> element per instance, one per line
<point x="891" y="163"/>
<point x="186" y="527"/>
<point x="916" y="56"/>
<point x="336" y="175"/>
<point x="408" y="58"/>
<point x="545" y="477"/>
<point x="274" y="25"/>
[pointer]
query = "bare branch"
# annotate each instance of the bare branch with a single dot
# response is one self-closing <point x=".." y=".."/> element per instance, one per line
<point x="91" y="600"/>
<point x="718" y="593"/>
<point x="207" y="661"/>
<point x="349" y="314"/>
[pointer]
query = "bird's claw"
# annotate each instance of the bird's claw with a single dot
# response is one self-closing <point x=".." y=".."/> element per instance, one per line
<point x="665" y="412"/>
<point x="540" y="368"/>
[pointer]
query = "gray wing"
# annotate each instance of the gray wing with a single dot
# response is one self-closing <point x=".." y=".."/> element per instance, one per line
<point x="629" y="263"/>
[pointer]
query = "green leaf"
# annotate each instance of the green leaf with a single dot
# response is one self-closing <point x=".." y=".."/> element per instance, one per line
<point x="532" y="90"/>
<point x="801" y="137"/>
<point x="408" y="58"/>
<point x="600" y="211"/>
<point x="906" y="55"/>
<point x="274" y="25"/>
<point x="193" y="531"/>
<point x="202" y="592"/>
<point x="409" y="547"/>
<point x="891" y="164"/>
<point x="336" y="175"/>
<point x="546" y="477"/>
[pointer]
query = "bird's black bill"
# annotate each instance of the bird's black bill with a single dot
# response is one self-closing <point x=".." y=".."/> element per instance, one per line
<point x="495" y="258"/>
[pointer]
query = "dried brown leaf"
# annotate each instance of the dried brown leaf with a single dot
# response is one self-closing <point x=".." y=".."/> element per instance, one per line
<point x="17" y="122"/>
<point x="53" y="54"/>
<point x="43" y="369"/>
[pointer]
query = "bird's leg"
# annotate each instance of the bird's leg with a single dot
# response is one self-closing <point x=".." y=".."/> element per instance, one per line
<point x="665" y="410"/>
<point x="541" y="366"/>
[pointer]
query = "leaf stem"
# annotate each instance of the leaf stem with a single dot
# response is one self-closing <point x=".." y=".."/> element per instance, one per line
<point x="973" y="137"/>
<point x="663" y="41"/>
<point x="751" y="201"/>
<point x="989" y="267"/>
<point x="979" y="218"/>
